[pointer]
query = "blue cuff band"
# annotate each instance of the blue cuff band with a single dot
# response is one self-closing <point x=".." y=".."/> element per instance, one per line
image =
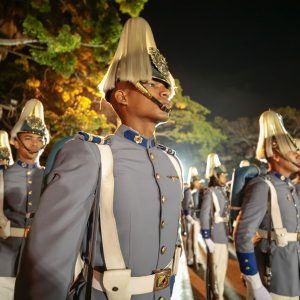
<point x="206" y="233"/>
<point x="247" y="263"/>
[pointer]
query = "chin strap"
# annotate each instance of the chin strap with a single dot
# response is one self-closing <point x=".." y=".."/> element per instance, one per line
<point x="146" y="93"/>
<point x="28" y="150"/>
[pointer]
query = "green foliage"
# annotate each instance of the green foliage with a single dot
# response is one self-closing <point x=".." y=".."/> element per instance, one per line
<point x="132" y="7"/>
<point x="42" y="6"/>
<point x="58" y="53"/>
<point x="34" y="28"/>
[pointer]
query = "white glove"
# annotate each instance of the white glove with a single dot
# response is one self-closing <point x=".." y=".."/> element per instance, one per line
<point x="210" y="245"/>
<point x="5" y="231"/>
<point x="258" y="290"/>
<point x="190" y="219"/>
<point x="3" y="220"/>
<point x="261" y="294"/>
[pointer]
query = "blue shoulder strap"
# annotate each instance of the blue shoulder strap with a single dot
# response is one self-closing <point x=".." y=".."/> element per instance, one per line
<point x="52" y="157"/>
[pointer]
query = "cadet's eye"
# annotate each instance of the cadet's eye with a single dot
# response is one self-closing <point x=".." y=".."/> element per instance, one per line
<point x="150" y="84"/>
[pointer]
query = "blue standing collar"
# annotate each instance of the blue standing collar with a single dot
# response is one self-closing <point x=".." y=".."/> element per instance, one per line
<point x="281" y="177"/>
<point x="139" y="139"/>
<point x="26" y="165"/>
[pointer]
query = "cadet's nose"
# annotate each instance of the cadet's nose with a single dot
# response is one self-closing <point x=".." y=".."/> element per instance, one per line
<point x="165" y="93"/>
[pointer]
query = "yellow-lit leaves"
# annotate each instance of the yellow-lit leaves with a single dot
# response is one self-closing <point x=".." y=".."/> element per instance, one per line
<point x="33" y="83"/>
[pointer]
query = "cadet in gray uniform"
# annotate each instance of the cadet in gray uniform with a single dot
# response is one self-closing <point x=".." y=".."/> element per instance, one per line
<point x="270" y="211"/>
<point x="190" y="207"/>
<point x="214" y="221"/>
<point x="22" y="187"/>
<point x="146" y="194"/>
<point x="6" y="160"/>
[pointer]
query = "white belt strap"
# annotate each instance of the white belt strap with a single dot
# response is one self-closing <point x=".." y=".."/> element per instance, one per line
<point x="110" y="241"/>
<point x="282" y="237"/>
<point x="289" y="236"/>
<point x="137" y="285"/>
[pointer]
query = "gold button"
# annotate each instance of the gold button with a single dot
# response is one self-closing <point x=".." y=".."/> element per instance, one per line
<point x="30" y="192"/>
<point x="28" y="172"/>
<point x="152" y="156"/>
<point x="29" y="203"/>
<point x="29" y="181"/>
<point x="163" y="249"/>
<point x="247" y="268"/>
<point x="163" y="199"/>
<point x="162" y="224"/>
<point x="161" y="298"/>
<point x="246" y="260"/>
<point x="157" y="176"/>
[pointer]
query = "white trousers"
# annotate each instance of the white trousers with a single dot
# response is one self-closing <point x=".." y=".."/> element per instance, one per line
<point x="7" y="286"/>
<point x="278" y="297"/>
<point x="274" y="296"/>
<point x="193" y="245"/>
<point x="220" y="263"/>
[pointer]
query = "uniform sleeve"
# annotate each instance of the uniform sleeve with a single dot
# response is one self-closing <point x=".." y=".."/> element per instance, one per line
<point x="49" y="256"/>
<point x="186" y="202"/>
<point x="205" y="214"/>
<point x="254" y="208"/>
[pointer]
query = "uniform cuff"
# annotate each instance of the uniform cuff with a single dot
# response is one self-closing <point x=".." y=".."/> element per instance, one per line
<point x="247" y="263"/>
<point x="206" y="233"/>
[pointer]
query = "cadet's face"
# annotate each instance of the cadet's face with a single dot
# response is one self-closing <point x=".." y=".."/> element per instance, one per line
<point x="197" y="184"/>
<point x="222" y="179"/>
<point x="293" y="161"/>
<point x="28" y="145"/>
<point x="144" y="107"/>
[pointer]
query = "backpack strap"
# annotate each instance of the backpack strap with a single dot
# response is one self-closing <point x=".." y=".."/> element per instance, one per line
<point x="3" y="220"/>
<point x="110" y="241"/>
<point x="281" y="235"/>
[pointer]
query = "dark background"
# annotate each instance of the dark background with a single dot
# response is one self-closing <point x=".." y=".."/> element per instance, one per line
<point x="237" y="58"/>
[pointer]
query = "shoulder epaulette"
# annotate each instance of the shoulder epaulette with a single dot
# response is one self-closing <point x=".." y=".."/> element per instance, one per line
<point x="96" y="139"/>
<point x="166" y="149"/>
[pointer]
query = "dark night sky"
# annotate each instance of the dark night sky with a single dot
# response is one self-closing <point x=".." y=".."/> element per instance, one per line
<point x="237" y="58"/>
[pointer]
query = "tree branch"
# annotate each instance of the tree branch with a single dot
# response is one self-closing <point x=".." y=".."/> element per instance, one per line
<point x="24" y="41"/>
<point x="16" y="42"/>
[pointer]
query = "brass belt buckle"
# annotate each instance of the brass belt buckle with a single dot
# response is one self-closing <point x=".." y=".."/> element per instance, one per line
<point x="298" y="236"/>
<point x="26" y="231"/>
<point x="161" y="279"/>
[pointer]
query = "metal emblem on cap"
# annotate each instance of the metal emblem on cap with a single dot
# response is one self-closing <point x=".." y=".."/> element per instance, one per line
<point x="159" y="61"/>
<point x="35" y="123"/>
<point x="4" y="152"/>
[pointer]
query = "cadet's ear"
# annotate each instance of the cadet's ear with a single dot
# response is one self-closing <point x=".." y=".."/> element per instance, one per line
<point x="16" y="143"/>
<point x="121" y="97"/>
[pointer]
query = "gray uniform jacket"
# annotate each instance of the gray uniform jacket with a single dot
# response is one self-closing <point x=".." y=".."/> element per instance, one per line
<point x="22" y="188"/>
<point x="147" y="199"/>
<point x="254" y="215"/>
<point x="218" y="231"/>
<point x="187" y="202"/>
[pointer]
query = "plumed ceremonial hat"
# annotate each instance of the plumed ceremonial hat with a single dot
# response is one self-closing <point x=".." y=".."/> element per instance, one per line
<point x="214" y="166"/>
<point x="31" y="120"/>
<point x="5" y="151"/>
<point x="137" y="59"/>
<point x="273" y="135"/>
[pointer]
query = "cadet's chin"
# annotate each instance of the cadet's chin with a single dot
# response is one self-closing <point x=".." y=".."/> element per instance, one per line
<point x="164" y="119"/>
